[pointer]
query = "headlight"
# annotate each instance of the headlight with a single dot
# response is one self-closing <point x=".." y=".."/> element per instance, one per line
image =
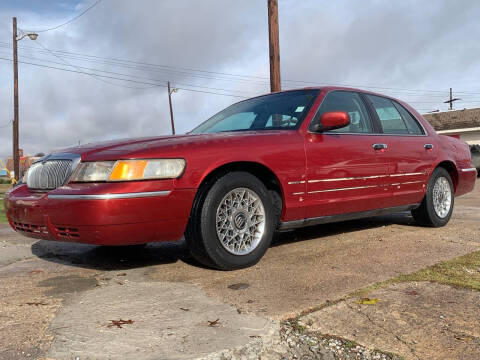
<point x="125" y="170"/>
<point x="24" y="178"/>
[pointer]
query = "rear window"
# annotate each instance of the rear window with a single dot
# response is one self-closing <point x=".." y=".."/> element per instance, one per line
<point x="413" y="126"/>
<point x="391" y="120"/>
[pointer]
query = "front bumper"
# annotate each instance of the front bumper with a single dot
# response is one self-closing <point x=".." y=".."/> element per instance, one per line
<point x="101" y="214"/>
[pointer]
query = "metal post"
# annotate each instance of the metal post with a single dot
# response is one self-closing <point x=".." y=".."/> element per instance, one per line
<point x="16" y="152"/>
<point x="171" y="110"/>
<point x="274" y="46"/>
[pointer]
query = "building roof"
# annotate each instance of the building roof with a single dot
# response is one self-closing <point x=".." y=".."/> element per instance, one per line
<point x="454" y="119"/>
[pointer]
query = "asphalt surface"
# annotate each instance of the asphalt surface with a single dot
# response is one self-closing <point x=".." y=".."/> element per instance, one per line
<point x="58" y="299"/>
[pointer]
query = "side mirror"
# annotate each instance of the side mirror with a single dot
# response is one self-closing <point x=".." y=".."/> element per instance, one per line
<point x="332" y="120"/>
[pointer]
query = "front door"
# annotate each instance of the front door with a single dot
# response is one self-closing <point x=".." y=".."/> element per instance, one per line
<point x="346" y="173"/>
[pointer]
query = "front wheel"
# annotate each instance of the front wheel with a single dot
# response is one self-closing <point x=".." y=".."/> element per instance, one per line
<point x="437" y="205"/>
<point x="233" y="225"/>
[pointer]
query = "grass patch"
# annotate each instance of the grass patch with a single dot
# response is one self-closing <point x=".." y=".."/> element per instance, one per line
<point x="462" y="272"/>
<point x="3" y="216"/>
<point x="3" y="189"/>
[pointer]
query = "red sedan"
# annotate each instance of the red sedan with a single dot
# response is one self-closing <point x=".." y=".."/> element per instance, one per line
<point x="274" y="162"/>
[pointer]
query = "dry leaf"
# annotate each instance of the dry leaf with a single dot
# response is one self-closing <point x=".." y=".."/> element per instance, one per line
<point x="213" y="323"/>
<point x="119" y="323"/>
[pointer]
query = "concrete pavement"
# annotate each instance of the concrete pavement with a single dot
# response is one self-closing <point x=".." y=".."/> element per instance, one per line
<point x="58" y="299"/>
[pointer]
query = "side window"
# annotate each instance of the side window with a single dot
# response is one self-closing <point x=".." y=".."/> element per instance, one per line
<point x="234" y="122"/>
<point x="390" y="118"/>
<point x="351" y="103"/>
<point x="412" y="124"/>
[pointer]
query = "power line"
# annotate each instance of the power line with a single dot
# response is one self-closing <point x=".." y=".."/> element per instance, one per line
<point x="131" y="76"/>
<point x="127" y="80"/>
<point x="144" y="66"/>
<point x="71" y="20"/>
<point x="123" y="63"/>
<point x="77" y="68"/>
<point x="153" y="65"/>
<point x="213" y="88"/>
<point x="187" y="71"/>
<point x="96" y="76"/>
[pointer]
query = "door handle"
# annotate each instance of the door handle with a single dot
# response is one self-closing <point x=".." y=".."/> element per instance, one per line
<point x="428" y="146"/>
<point x="379" y="146"/>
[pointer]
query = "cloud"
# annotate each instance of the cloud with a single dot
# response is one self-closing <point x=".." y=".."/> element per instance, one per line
<point x="407" y="44"/>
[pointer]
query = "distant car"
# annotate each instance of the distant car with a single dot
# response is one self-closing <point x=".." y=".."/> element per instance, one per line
<point x="475" y="151"/>
<point x="273" y="162"/>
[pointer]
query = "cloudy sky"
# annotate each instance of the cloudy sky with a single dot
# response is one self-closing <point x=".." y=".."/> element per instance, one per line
<point x="216" y="52"/>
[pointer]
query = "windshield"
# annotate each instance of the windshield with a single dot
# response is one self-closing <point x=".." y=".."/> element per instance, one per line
<point x="281" y="111"/>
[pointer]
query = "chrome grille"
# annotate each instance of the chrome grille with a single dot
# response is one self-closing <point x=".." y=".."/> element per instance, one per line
<point x="49" y="175"/>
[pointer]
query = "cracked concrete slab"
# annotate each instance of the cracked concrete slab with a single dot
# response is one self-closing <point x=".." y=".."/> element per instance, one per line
<point x="169" y="321"/>
<point x="418" y="320"/>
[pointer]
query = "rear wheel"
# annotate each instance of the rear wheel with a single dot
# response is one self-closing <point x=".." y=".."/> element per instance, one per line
<point x="233" y="223"/>
<point x="437" y="205"/>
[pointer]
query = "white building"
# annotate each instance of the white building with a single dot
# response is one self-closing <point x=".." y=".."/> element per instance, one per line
<point x="465" y="123"/>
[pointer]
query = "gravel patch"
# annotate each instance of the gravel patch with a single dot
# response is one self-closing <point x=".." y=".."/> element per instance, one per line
<point x="303" y="345"/>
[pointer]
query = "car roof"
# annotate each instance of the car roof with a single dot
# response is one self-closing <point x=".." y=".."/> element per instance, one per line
<point x="331" y="88"/>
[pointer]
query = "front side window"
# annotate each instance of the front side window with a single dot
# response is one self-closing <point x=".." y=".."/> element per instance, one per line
<point x="390" y="118"/>
<point x="281" y="111"/>
<point x="351" y="103"/>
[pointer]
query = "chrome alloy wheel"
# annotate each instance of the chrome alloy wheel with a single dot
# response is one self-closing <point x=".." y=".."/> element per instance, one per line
<point x="240" y="221"/>
<point x="442" y="197"/>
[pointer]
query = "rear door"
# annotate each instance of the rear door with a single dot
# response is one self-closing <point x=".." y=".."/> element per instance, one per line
<point x="409" y="152"/>
<point x="345" y="173"/>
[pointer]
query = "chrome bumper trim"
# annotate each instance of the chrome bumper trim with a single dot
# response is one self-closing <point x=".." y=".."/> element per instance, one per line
<point x="109" y="196"/>
<point x="469" y="169"/>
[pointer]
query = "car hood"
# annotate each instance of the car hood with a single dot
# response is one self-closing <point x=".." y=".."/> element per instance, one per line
<point x="150" y="147"/>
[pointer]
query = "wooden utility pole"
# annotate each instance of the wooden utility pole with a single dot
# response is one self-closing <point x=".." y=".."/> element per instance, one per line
<point x="171" y="110"/>
<point x="16" y="152"/>
<point x="451" y="99"/>
<point x="275" y="83"/>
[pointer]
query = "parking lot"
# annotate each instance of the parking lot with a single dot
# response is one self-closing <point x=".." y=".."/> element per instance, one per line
<point x="67" y="301"/>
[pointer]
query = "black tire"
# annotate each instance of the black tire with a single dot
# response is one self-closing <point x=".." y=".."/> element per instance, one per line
<point x="425" y="214"/>
<point x="201" y="234"/>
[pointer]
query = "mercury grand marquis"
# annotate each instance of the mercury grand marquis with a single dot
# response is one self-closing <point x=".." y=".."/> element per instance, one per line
<point x="274" y="162"/>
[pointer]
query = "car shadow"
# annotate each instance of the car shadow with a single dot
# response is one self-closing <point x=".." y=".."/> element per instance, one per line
<point x="350" y="226"/>
<point x="111" y="258"/>
<point x="107" y="258"/>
